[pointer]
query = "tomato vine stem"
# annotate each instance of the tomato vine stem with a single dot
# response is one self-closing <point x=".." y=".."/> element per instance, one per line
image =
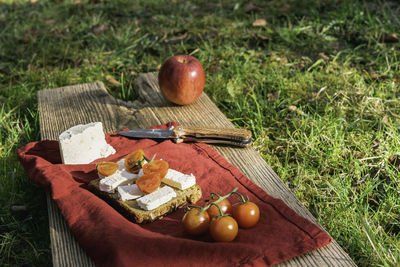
<point x="212" y="194"/>
<point x="219" y="209"/>
<point x="189" y="207"/>
<point x="241" y="197"/>
<point x="220" y="198"/>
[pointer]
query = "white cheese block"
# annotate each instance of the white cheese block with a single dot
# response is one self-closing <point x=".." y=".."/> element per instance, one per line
<point x="121" y="164"/>
<point x="83" y="144"/>
<point x="129" y="192"/>
<point x="179" y="180"/>
<point x="109" y="183"/>
<point x="129" y="175"/>
<point x="157" y="198"/>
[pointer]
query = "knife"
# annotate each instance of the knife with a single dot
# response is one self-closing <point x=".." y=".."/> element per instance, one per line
<point x="179" y="134"/>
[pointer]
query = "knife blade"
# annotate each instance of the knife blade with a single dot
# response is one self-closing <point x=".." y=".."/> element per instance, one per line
<point x="229" y="136"/>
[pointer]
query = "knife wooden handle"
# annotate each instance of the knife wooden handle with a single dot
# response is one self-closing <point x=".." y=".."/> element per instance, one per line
<point x="230" y="136"/>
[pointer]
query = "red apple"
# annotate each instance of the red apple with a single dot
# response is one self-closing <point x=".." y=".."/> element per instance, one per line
<point x="181" y="79"/>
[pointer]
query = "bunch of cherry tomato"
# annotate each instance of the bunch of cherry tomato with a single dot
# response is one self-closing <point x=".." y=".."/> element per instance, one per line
<point x="220" y="218"/>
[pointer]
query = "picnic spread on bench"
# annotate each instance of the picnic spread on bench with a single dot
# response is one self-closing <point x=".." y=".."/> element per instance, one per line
<point x="143" y="192"/>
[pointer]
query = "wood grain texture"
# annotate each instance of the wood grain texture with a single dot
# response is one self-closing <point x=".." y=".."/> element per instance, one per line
<point x="64" y="107"/>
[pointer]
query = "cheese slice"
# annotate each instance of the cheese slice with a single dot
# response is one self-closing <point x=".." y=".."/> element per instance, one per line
<point x="179" y="180"/>
<point x="121" y="164"/>
<point x="109" y="183"/>
<point x="129" y="192"/>
<point x="157" y="198"/>
<point x="84" y="143"/>
<point x="129" y="175"/>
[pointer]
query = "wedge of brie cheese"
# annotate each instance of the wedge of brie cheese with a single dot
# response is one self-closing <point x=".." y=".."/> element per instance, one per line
<point x="179" y="180"/>
<point x="129" y="192"/>
<point x="83" y="144"/>
<point x="157" y="198"/>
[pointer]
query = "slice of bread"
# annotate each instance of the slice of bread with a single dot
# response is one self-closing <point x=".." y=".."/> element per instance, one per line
<point x="131" y="210"/>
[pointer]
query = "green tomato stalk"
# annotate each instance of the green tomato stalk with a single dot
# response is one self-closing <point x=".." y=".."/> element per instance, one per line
<point x="219" y="209"/>
<point x="220" y="198"/>
<point x="189" y="207"/>
<point x="242" y="200"/>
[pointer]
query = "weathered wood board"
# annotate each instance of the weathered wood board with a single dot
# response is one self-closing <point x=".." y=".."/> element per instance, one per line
<point x="62" y="108"/>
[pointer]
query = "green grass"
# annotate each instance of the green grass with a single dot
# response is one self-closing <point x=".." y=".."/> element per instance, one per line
<point x="318" y="86"/>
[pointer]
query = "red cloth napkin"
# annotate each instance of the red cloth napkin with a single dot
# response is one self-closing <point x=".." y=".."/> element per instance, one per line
<point x="111" y="240"/>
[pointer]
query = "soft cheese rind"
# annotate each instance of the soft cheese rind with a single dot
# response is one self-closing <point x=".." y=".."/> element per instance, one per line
<point x="84" y="143"/>
<point x="179" y="180"/>
<point x="129" y="192"/>
<point x="157" y="198"/>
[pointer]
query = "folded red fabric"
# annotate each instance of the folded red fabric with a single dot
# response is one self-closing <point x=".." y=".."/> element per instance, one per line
<point x="111" y="240"/>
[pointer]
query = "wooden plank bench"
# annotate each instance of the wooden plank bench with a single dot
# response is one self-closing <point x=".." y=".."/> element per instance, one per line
<point x="64" y="107"/>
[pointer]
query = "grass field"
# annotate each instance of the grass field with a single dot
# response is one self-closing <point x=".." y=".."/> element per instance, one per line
<point x="318" y="84"/>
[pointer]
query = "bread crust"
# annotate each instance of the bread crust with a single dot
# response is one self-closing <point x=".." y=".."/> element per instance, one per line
<point x="131" y="210"/>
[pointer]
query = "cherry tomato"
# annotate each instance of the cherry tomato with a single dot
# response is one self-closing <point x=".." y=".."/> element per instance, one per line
<point x="223" y="229"/>
<point x="224" y="205"/>
<point x="133" y="160"/>
<point x="106" y="168"/>
<point x="149" y="182"/>
<point x="246" y="214"/>
<point x="195" y="223"/>
<point x="159" y="166"/>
